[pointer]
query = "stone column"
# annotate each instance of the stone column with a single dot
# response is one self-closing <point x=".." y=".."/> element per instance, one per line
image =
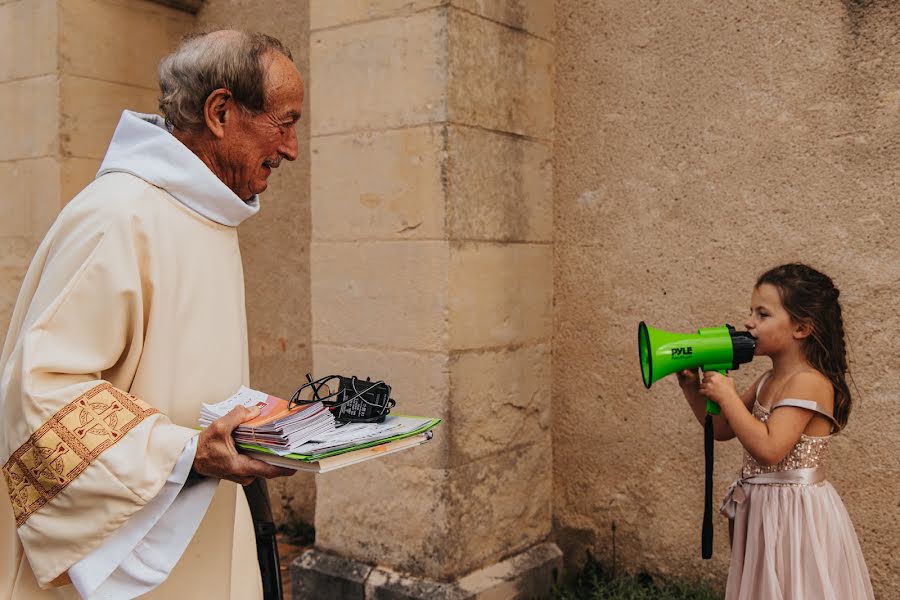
<point x="431" y="267"/>
<point x="67" y="69"/>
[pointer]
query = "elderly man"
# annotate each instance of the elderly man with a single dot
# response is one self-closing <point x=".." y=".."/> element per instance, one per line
<point x="131" y="315"/>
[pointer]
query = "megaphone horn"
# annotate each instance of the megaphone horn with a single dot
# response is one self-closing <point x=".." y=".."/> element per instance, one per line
<point x="713" y="348"/>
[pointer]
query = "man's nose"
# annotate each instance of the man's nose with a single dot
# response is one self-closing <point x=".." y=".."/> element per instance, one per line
<point x="290" y="148"/>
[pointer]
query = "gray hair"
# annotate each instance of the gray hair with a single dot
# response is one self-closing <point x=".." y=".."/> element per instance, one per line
<point x="205" y="62"/>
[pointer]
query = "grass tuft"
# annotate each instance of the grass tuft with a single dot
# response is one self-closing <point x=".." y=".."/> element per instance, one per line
<point x="594" y="582"/>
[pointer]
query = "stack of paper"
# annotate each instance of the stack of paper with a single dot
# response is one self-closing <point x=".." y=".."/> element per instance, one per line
<point x="306" y="435"/>
<point x="276" y="428"/>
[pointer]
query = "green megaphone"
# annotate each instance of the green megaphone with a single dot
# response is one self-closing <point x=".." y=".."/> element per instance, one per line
<point x="712" y="349"/>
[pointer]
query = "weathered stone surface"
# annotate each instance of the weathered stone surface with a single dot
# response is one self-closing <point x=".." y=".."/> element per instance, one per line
<point x="498" y="398"/>
<point x="534" y="16"/>
<point x="364" y="510"/>
<point x="318" y="574"/>
<point x="331" y="13"/>
<point x="30" y="199"/>
<point x="293" y="499"/>
<point x="380" y="75"/>
<point x="500" y="187"/>
<point x="501" y="294"/>
<point x="528" y="575"/>
<point x="499" y="78"/>
<point x="688" y="162"/>
<point x="379" y="512"/>
<point x="15" y="256"/>
<point x="28" y="39"/>
<point x="14" y="203"/>
<point x="118" y="42"/>
<point x="75" y="175"/>
<point x="395" y="193"/>
<point x="90" y="111"/>
<point x="498" y="504"/>
<point x="29" y="118"/>
<point x="389" y="295"/>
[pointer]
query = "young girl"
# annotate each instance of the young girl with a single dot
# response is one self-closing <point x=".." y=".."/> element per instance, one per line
<point x="792" y="538"/>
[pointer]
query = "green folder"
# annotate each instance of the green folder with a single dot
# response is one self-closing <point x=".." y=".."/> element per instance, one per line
<point x="427" y="427"/>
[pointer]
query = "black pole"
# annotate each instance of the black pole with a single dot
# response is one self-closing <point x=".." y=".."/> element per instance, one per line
<point x="707" y="533"/>
<point x="266" y="544"/>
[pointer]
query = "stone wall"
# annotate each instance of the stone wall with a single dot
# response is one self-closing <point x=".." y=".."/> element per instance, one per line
<point x="432" y="127"/>
<point x="67" y="69"/>
<point x="699" y="144"/>
<point x="275" y="245"/>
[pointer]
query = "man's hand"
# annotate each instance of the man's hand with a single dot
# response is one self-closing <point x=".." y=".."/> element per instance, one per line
<point x="217" y="455"/>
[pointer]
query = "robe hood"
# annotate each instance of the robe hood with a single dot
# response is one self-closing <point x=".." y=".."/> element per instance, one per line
<point x="144" y="146"/>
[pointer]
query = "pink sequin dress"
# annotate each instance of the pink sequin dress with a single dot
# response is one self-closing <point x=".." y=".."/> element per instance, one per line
<point x="793" y="539"/>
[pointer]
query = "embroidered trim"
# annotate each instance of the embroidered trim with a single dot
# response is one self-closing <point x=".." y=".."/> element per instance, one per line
<point x="63" y="447"/>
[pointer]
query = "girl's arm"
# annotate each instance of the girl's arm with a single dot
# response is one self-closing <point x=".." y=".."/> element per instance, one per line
<point x="768" y="442"/>
<point x="689" y="381"/>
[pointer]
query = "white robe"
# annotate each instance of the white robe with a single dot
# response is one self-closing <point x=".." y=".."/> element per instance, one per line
<point x="131" y="315"/>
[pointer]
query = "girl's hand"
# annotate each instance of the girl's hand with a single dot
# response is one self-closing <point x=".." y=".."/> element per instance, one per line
<point x="689" y="378"/>
<point x="718" y="387"/>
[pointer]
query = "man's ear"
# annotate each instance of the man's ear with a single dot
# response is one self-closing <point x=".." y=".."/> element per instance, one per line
<point x="216" y="111"/>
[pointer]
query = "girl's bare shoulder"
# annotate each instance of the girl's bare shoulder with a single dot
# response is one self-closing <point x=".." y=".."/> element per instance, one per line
<point x="809" y="384"/>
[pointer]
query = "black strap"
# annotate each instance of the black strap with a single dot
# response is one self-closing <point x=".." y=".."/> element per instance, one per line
<point x="266" y="543"/>
<point x="707" y="533"/>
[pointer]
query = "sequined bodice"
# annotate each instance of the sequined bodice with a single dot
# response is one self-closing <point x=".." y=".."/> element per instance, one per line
<point x="808" y="452"/>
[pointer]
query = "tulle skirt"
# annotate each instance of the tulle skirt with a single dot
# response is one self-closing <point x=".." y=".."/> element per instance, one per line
<point x="795" y="542"/>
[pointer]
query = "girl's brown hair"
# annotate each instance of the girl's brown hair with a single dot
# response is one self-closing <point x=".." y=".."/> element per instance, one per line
<point x="811" y="298"/>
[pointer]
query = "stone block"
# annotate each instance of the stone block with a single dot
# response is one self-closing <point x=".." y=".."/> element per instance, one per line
<point x="498" y="398"/>
<point x="528" y="575"/>
<point x="390" y="295"/>
<point x="28" y="118"/>
<point x="500" y="187"/>
<point x="28" y="39"/>
<point x="500" y="78"/>
<point x="534" y="16"/>
<point x="15" y="256"/>
<point x="318" y="574"/>
<point x="118" y="42"/>
<point x="380" y="75"/>
<point x="439" y="524"/>
<point x="498" y="505"/>
<point x="394" y="191"/>
<point x="90" y="111"/>
<point x="31" y="199"/>
<point x="378" y="512"/>
<point x="75" y="175"/>
<point x="500" y="294"/>
<point x="332" y="13"/>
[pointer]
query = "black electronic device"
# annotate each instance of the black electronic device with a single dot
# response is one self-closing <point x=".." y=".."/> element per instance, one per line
<point x="354" y="401"/>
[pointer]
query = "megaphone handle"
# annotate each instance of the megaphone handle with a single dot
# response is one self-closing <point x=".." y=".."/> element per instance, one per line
<point x="706" y="538"/>
<point x="711" y="407"/>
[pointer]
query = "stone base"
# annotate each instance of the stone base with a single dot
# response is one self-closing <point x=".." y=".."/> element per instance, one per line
<point x="529" y="575"/>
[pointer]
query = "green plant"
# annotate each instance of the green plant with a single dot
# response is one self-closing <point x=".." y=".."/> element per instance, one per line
<point x="595" y="582"/>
